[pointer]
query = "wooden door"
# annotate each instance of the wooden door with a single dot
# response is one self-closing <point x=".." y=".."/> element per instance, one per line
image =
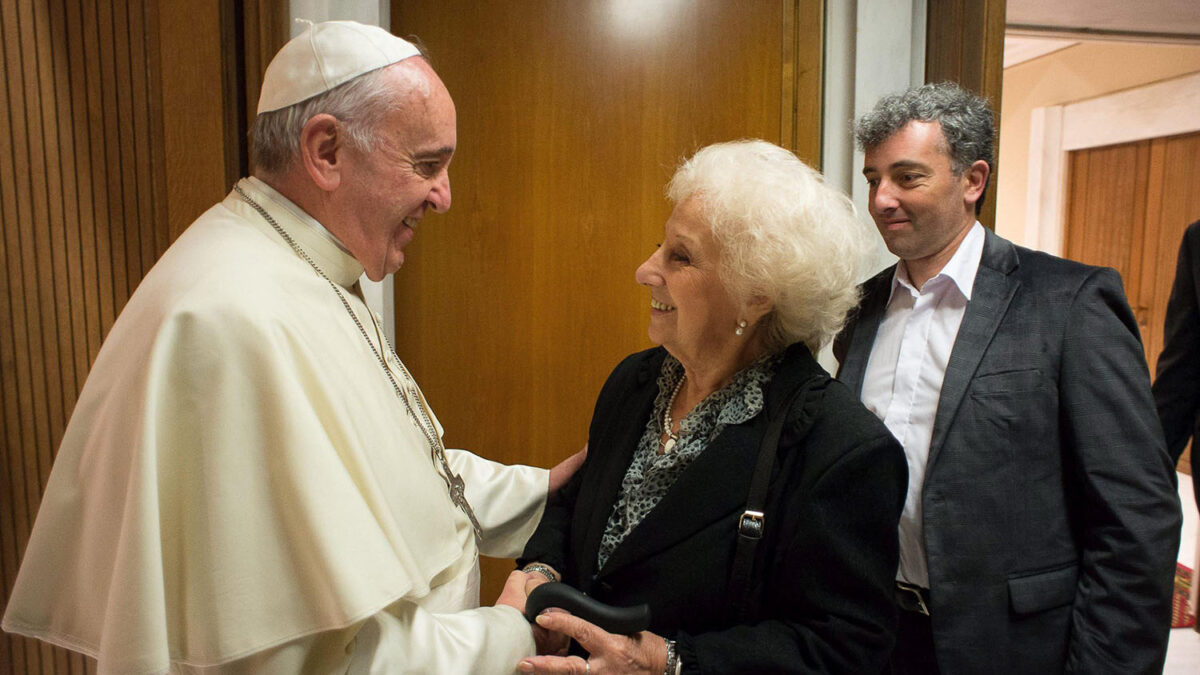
<point x="1127" y="208"/>
<point x="515" y="305"/>
<point x="114" y="135"/>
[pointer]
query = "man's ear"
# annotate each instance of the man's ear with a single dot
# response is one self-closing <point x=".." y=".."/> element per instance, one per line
<point x="976" y="177"/>
<point x="321" y="151"/>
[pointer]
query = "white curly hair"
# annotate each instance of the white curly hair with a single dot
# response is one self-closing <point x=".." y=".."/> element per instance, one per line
<point x="785" y="235"/>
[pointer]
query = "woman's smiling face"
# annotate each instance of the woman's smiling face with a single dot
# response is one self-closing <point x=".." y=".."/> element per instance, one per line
<point x="692" y="314"/>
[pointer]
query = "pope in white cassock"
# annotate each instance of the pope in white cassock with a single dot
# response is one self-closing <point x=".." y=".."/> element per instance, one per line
<point x="251" y="480"/>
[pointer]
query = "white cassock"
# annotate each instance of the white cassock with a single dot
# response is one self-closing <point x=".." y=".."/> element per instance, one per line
<point x="240" y="489"/>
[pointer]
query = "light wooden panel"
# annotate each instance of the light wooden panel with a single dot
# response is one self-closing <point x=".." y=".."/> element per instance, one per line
<point x="1172" y="202"/>
<point x="1127" y="208"/>
<point x="964" y="43"/>
<point x="514" y="306"/>
<point x="1106" y="210"/>
<point x="111" y="142"/>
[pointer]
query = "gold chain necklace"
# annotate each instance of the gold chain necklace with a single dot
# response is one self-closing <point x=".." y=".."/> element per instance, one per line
<point x="454" y="482"/>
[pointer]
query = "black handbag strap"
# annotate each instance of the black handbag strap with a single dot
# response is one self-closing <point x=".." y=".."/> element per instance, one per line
<point x="752" y="523"/>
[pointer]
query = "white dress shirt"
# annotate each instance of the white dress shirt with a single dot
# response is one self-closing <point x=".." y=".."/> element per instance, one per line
<point x="903" y="379"/>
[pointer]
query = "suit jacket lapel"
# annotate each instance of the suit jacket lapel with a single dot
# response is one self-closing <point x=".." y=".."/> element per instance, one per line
<point x="864" y="326"/>
<point x="993" y="291"/>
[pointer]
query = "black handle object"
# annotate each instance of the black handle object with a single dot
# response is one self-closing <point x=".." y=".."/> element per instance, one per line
<point x="620" y="620"/>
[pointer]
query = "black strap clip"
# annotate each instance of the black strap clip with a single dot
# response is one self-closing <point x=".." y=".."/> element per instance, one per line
<point x="751" y="524"/>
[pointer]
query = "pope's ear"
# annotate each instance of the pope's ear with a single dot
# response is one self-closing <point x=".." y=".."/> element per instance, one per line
<point x="321" y="151"/>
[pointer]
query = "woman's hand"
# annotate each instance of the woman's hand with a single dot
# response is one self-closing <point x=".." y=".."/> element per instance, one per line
<point x="609" y="653"/>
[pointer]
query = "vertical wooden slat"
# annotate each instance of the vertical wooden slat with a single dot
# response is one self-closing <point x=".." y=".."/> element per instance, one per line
<point x="28" y="363"/>
<point x="1160" y="267"/>
<point x="78" y="213"/>
<point x="21" y="654"/>
<point x="94" y="74"/>
<point x="788" y="67"/>
<point x="1136" y="292"/>
<point x="34" y="258"/>
<point x="157" y="150"/>
<point x="112" y="155"/>
<point x="68" y="284"/>
<point x="138" y="170"/>
<point x="24" y="320"/>
<point x="809" y="52"/>
<point x="52" y="270"/>
<point x="125" y="140"/>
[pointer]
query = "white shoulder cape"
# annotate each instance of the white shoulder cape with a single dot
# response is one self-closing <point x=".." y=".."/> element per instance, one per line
<point x="238" y="472"/>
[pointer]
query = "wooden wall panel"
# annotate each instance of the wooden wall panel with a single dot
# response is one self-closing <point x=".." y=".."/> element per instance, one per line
<point x="79" y="220"/>
<point x="1127" y="208"/>
<point x="515" y="305"/>
<point x="1106" y="208"/>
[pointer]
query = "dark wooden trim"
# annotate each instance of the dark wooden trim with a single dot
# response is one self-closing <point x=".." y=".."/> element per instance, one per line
<point x="964" y="43"/>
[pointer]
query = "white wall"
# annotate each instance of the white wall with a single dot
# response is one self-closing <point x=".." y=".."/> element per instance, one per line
<point x="872" y="48"/>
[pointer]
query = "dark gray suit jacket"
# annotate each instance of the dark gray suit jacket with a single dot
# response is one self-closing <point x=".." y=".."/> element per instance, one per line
<point x="1177" y="386"/>
<point x="1051" y="509"/>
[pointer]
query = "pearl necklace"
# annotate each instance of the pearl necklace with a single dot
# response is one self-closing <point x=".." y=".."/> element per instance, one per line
<point x="672" y="437"/>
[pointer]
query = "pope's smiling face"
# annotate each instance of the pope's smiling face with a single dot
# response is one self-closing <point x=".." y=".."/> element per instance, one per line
<point x="390" y="188"/>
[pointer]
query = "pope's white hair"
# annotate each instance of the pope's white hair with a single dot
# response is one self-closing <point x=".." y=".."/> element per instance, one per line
<point x="784" y="234"/>
<point x="359" y="105"/>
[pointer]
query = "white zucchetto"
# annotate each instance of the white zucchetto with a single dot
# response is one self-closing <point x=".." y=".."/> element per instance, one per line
<point x="324" y="56"/>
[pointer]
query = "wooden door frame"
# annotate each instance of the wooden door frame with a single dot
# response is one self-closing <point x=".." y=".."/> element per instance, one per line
<point x="964" y="43"/>
<point x="1166" y="108"/>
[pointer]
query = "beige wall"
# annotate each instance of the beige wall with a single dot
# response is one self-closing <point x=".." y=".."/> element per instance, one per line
<point x="1076" y="73"/>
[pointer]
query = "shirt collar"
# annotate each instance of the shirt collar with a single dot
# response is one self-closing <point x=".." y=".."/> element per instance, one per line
<point x="960" y="270"/>
<point x="313" y="238"/>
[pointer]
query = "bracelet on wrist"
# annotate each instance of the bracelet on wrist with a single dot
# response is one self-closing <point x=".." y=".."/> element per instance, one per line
<point x="673" y="664"/>
<point x="541" y="568"/>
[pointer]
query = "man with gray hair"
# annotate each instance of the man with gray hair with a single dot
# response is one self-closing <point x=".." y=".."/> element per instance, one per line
<point x="1042" y="520"/>
<point x="251" y="480"/>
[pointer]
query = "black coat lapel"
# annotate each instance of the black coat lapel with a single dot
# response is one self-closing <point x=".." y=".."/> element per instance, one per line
<point x="993" y="291"/>
<point x="712" y="487"/>
<point x="620" y="441"/>
<point x="716" y="484"/>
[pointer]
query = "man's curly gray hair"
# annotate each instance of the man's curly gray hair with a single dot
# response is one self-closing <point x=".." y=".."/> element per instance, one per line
<point x="967" y="122"/>
<point x="784" y="234"/>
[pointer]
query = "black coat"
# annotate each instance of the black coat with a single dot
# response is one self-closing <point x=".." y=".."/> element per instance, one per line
<point x="1051" y="515"/>
<point x="823" y="600"/>
<point x="1177" y="386"/>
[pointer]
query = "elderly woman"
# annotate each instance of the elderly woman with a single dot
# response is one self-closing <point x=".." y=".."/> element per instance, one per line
<point x="732" y="417"/>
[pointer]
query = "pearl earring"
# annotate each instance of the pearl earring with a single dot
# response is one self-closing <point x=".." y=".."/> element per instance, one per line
<point x="741" y="327"/>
